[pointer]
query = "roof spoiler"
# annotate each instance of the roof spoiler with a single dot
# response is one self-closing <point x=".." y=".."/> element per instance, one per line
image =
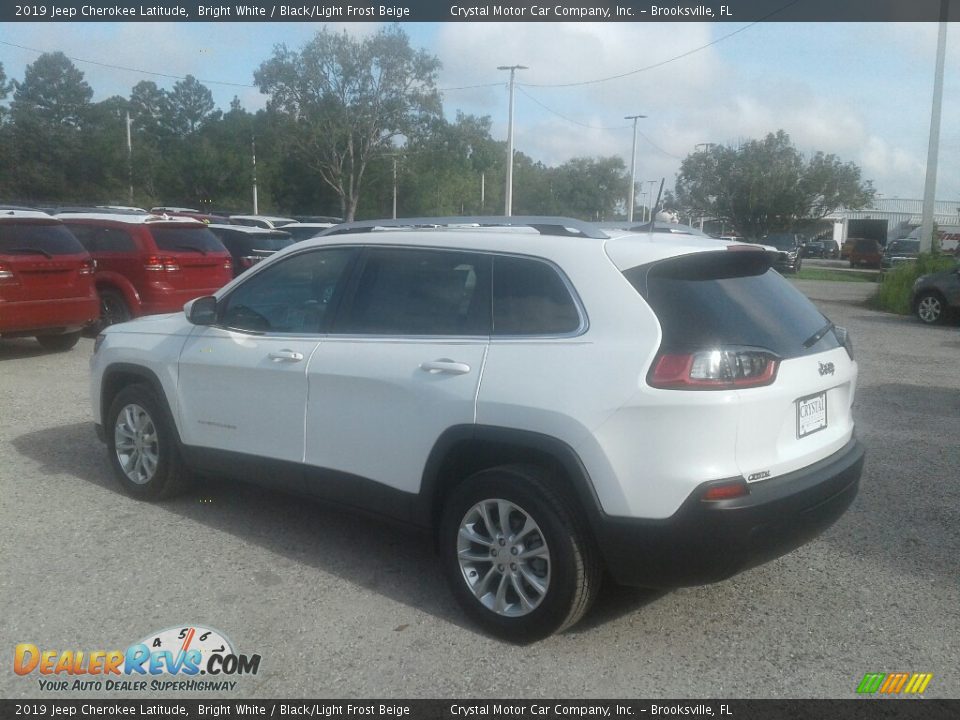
<point x="545" y="225"/>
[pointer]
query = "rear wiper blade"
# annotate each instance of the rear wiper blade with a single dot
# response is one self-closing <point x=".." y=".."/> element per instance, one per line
<point x="818" y="335"/>
<point x="192" y="247"/>
<point x="30" y="251"/>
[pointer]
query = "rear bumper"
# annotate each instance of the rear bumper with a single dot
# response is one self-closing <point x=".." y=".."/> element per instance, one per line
<point x="705" y="542"/>
<point x="43" y="317"/>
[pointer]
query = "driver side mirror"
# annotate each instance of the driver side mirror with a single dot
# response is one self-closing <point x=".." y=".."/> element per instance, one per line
<point x="202" y="310"/>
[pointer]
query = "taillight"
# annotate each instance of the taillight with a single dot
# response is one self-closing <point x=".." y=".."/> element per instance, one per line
<point x="5" y="272"/>
<point x="720" y="369"/>
<point x="161" y="263"/>
<point x="88" y="267"/>
<point x="228" y="264"/>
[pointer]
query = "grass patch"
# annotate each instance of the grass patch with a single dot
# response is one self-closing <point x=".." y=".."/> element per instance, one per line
<point x="838" y="275"/>
<point x="893" y="294"/>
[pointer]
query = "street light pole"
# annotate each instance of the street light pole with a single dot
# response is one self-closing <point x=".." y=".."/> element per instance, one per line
<point x="129" y="159"/>
<point x="633" y="167"/>
<point x="933" y="149"/>
<point x="508" y="195"/>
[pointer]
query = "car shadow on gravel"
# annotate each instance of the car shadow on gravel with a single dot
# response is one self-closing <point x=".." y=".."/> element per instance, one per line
<point x="394" y="560"/>
<point x="20" y="348"/>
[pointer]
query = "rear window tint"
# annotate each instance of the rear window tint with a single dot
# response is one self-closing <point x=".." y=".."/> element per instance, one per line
<point x="22" y="238"/>
<point x="734" y="299"/>
<point x="530" y="298"/>
<point x="102" y="239"/>
<point x="186" y="239"/>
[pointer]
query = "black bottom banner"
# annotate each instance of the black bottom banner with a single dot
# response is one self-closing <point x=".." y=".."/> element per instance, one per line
<point x="855" y="709"/>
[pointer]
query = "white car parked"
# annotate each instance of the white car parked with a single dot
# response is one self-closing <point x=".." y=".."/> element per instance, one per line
<point x="663" y="408"/>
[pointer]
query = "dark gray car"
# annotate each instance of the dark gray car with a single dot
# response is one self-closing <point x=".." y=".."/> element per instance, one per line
<point x="936" y="296"/>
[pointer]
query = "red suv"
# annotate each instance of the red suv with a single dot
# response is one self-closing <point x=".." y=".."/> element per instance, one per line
<point x="46" y="280"/>
<point x="148" y="264"/>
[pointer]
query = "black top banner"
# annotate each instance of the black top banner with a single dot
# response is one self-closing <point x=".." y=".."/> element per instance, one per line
<point x="738" y="11"/>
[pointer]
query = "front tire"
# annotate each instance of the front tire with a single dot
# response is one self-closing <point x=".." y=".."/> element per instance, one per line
<point x="516" y="555"/>
<point x="931" y="309"/>
<point x="142" y="445"/>
<point x="58" y="343"/>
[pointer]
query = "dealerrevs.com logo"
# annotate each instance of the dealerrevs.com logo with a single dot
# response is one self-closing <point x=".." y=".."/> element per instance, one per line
<point x="189" y="657"/>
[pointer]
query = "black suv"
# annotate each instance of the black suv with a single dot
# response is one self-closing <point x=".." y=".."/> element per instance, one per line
<point x="788" y="251"/>
<point x="249" y="245"/>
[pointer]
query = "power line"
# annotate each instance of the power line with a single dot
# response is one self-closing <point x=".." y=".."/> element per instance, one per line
<point x="664" y="62"/>
<point x="130" y="69"/>
<point x="571" y="120"/>
<point x="471" y="87"/>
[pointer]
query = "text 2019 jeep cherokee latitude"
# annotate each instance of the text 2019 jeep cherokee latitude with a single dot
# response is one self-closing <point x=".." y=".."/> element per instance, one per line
<point x="553" y="405"/>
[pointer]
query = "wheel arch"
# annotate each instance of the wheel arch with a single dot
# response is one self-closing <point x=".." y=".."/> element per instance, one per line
<point x="464" y="450"/>
<point x="118" y="283"/>
<point x="118" y="376"/>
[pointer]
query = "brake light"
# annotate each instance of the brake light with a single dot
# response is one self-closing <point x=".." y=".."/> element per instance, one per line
<point x="5" y="272"/>
<point x="843" y="335"/>
<point x="88" y="267"/>
<point x="726" y="491"/>
<point x="720" y="369"/>
<point x="161" y="263"/>
<point x="228" y="264"/>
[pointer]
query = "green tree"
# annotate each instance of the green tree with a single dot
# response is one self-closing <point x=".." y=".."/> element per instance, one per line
<point x="350" y="99"/>
<point x="191" y="104"/>
<point x="766" y="185"/>
<point x="54" y="90"/>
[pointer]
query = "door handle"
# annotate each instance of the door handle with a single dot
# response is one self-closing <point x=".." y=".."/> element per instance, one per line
<point x="445" y="365"/>
<point x="286" y="356"/>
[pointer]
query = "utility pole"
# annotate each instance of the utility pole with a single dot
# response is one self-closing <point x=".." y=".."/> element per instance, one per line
<point x="652" y="208"/>
<point x="253" y="151"/>
<point x="129" y="160"/>
<point x="933" y="149"/>
<point x="483" y="192"/>
<point x="508" y="200"/>
<point x="633" y="167"/>
<point x="394" y="187"/>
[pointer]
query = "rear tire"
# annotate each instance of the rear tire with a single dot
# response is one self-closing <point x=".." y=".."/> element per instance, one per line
<point x="516" y="554"/>
<point x="58" y="343"/>
<point x="113" y="308"/>
<point x="143" y="446"/>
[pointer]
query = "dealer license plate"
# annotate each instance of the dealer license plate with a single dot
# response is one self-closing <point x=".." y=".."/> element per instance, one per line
<point x="811" y="414"/>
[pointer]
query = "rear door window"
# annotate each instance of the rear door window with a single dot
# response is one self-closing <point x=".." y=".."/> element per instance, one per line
<point x="712" y="299"/>
<point x="103" y="239"/>
<point x="407" y="291"/>
<point x="530" y="298"/>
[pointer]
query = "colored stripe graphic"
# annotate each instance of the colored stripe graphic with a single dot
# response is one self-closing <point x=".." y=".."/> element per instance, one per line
<point x="894" y="683"/>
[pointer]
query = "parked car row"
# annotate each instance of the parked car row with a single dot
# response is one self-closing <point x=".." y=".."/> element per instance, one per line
<point x="68" y="270"/>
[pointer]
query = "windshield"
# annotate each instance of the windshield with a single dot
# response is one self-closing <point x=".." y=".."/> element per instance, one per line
<point x="780" y="242"/>
<point x="908" y="246"/>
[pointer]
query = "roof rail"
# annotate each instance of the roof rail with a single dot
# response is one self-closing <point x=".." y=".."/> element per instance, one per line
<point x="545" y="225"/>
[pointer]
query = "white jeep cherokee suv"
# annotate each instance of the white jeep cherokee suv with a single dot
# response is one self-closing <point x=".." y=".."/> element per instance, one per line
<point x="554" y="403"/>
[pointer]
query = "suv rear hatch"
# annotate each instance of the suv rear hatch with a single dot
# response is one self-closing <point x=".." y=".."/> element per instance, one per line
<point x="731" y="323"/>
<point x="43" y="266"/>
<point x="202" y="260"/>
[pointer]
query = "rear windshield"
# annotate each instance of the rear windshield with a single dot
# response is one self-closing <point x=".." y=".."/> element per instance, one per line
<point x="908" y="246"/>
<point x="727" y="298"/>
<point x="186" y="239"/>
<point x="38" y="238"/>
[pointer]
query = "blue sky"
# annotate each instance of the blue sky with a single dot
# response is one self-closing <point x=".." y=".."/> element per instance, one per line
<point x="861" y="91"/>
